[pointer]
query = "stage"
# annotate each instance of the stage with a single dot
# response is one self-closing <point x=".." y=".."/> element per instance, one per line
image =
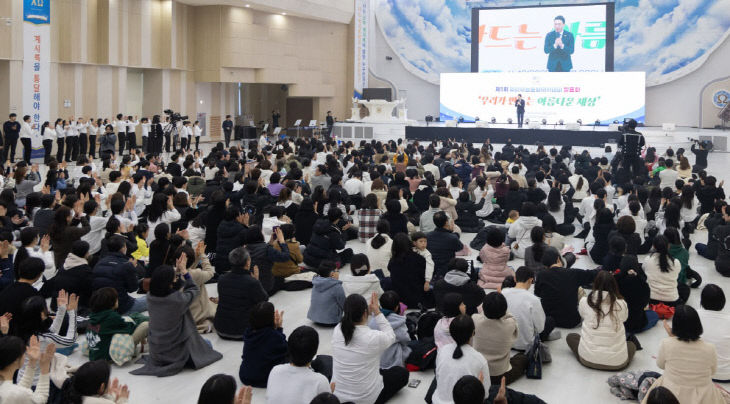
<point x="495" y="134"/>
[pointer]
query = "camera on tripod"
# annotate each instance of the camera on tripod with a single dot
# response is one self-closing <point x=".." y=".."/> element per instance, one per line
<point x="175" y="117"/>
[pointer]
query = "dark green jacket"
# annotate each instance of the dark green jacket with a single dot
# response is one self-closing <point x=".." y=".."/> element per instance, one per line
<point x="102" y="327"/>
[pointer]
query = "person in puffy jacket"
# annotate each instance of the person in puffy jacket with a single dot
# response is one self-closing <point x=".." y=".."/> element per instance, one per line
<point x="519" y="231"/>
<point x="264" y="255"/>
<point x="468" y="220"/>
<point x="114" y="270"/>
<point x="231" y="234"/>
<point x="238" y="292"/>
<point x="326" y="240"/>
<point x="397" y="353"/>
<point x="264" y="345"/>
<point x="494" y="256"/>
<point x="328" y="296"/>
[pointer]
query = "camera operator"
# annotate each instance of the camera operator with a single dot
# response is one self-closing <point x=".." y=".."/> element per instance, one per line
<point x="700" y="151"/>
<point x="631" y="142"/>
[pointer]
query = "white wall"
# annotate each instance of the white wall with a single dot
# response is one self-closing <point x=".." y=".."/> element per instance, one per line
<point x="135" y="92"/>
<point x="677" y="101"/>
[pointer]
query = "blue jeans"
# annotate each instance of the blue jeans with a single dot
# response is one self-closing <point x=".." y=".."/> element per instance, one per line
<point x="652" y="318"/>
<point x="139" y="306"/>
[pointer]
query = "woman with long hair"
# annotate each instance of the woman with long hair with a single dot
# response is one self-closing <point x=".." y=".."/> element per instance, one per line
<point x="356" y="351"/>
<point x="161" y="210"/>
<point x="379" y="248"/>
<point x="91" y="383"/>
<point x="47" y="136"/>
<point x="65" y="230"/>
<point x="602" y="342"/>
<point x="662" y="272"/>
<point x="25" y="182"/>
<point x="458" y="359"/>
<point x="688" y="361"/>
<point x="407" y="269"/>
<point x="173" y="338"/>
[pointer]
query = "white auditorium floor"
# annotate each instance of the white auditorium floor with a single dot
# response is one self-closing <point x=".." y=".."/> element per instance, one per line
<point x="564" y="380"/>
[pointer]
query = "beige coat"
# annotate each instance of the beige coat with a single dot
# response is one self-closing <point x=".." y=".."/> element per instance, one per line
<point x="494" y="339"/>
<point x="688" y="369"/>
<point x="202" y="309"/>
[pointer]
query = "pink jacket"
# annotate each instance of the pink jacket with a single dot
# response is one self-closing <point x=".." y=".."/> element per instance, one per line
<point x="494" y="266"/>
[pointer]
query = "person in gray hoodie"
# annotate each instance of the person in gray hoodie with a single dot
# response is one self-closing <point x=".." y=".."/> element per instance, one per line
<point x="397" y="353"/>
<point x="328" y="296"/>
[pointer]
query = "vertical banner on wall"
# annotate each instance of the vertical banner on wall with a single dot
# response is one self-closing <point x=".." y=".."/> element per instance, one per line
<point x="362" y="21"/>
<point x="36" y="63"/>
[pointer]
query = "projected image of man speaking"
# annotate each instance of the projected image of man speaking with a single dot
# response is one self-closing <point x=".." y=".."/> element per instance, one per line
<point x="559" y="45"/>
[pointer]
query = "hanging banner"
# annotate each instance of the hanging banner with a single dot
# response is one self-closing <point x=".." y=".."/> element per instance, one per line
<point x="36" y="64"/>
<point x="362" y="20"/>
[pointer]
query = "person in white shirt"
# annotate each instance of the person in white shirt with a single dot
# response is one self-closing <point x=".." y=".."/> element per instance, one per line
<point x="183" y="133"/>
<point x="47" y="135"/>
<point x="37" y="359"/>
<point x="458" y="359"/>
<point x="197" y="132"/>
<point x="93" y="130"/>
<point x="131" y="123"/>
<point x="83" y="128"/>
<point x="72" y="140"/>
<point x="120" y="125"/>
<point x="97" y="224"/>
<point x="526" y="308"/>
<point x="60" y="138"/>
<point x="161" y="210"/>
<point x="26" y="132"/>
<point x="146" y="126"/>
<point x="298" y="382"/>
<point x="662" y="272"/>
<point x="189" y="133"/>
<point x="716" y="326"/>
<point x="356" y="351"/>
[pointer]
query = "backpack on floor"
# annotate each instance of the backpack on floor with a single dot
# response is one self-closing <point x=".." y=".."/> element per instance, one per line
<point x="422" y="356"/>
<point x="420" y="324"/>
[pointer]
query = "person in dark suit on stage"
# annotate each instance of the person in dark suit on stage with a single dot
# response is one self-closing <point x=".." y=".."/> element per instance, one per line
<point x="559" y="45"/>
<point x="520" y="105"/>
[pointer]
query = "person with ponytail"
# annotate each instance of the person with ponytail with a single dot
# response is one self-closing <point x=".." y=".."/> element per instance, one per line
<point x="662" y="272"/>
<point x="362" y="281"/>
<point x="451" y="307"/>
<point x="602" y="343"/>
<point x="458" y="359"/>
<point x="13" y="353"/>
<point x="379" y="248"/>
<point x="357" y="350"/>
<point x="90" y="385"/>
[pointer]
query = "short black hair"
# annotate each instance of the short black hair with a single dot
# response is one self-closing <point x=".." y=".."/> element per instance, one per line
<point x="458" y="264"/>
<point x="390" y="300"/>
<point x="661" y="395"/>
<point x="325" y="268"/>
<point x="495" y="237"/>
<point x="116" y="243"/>
<point x="103" y="299"/>
<point x="494" y="305"/>
<point x="712" y="298"/>
<point x="80" y="248"/>
<point x="434" y="200"/>
<point x="560" y="17"/>
<point x="550" y="257"/>
<point x="523" y="274"/>
<point x="325" y="398"/>
<point x="467" y="390"/>
<point x="31" y="268"/>
<point x="303" y="343"/>
<point x="262" y="315"/>
<point x="440" y="219"/>
<point x="686" y="323"/>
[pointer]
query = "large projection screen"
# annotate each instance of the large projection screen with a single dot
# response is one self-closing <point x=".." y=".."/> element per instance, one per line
<point x="552" y="96"/>
<point x="520" y="39"/>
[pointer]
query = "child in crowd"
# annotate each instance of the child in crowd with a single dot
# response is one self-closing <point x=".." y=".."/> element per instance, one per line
<point x="397" y="354"/>
<point x="328" y="296"/>
<point x="264" y="345"/>
<point x="105" y="323"/>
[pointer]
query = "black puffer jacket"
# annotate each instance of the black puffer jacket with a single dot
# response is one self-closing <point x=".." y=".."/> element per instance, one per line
<point x="238" y="292"/>
<point x="264" y="255"/>
<point x="468" y="221"/>
<point x="115" y="271"/>
<point x="326" y="240"/>
<point x="231" y="235"/>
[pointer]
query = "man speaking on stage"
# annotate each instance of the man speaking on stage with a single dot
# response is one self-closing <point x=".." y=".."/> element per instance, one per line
<point x="559" y="45"/>
<point x="520" y="105"/>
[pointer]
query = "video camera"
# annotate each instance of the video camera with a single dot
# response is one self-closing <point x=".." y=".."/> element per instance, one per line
<point x="175" y="116"/>
<point x="706" y="144"/>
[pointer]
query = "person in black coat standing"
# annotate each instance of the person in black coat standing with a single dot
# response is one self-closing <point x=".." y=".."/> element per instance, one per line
<point x="238" y="292"/>
<point x="443" y="244"/>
